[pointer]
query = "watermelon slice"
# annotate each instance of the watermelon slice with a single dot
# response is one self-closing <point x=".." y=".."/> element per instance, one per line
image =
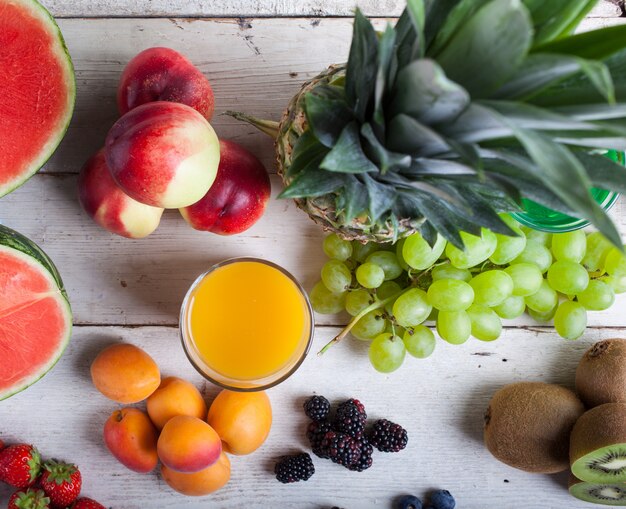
<point x="35" y="315"/>
<point x="37" y="90"/>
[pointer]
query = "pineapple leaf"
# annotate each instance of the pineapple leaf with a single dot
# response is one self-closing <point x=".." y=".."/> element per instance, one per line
<point x="595" y="45"/>
<point x="311" y="182"/>
<point x="573" y="25"/>
<point x="381" y="197"/>
<point x="429" y="233"/>
<point x="423" y="91"/>
<point x="425" y="167"/>
<point x="417" y="14"/>
<point x="600" y="76"/>
<point x="464" y="58"/>
<point x="385" y="73"/>
<point x="591" y="112"/>
<point x="436" y="14"/>
<point x="376" y="151"/>
<point x="407" y="136"/>
<point x="603" y="172"/>
<point x="361" y="69"/>
<point x="347" y="155"/>
<point x="308" y="153"/>
<point x="355" y="199"/>
<point x="407" y="42"/>
<point x="553" y="18"/>
<point x="327" y="113"/>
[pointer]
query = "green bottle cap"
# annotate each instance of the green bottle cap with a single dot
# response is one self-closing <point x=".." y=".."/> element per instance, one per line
<point x="542" y="218"/>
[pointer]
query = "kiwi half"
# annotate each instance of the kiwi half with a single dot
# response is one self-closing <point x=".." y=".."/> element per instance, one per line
<point x="598" y="444"/>
<point x="527" y="426"/>
<point x="601" y="373"/>
<point x="598" y="493"/>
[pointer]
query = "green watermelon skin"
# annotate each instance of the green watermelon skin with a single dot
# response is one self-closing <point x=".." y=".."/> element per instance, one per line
<point x="16" y="244"/>
<point x="13" y="172"/>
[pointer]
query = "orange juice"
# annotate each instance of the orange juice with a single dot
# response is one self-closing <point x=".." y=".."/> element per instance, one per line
<point x="246" y="323"/>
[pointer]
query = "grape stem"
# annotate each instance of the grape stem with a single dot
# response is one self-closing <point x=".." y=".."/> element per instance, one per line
<point x="376" y="305"/>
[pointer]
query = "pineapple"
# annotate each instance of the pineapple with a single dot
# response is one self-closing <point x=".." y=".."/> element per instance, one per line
<point x="453" y="116"/>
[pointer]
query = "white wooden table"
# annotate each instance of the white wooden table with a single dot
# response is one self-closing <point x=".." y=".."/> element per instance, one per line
<point x="256" y="54"/>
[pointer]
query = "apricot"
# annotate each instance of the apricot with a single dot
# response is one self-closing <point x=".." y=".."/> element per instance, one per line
<point x="242" y="420"/>
<point x="132" y="438"/>
<point x="125" y="373"/>
<point x="175" y="397"/>
<point x="199" y="483"/>
<point x="188" y="444"/>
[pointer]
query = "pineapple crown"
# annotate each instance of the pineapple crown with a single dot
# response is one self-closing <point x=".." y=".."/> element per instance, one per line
<point x="463" y="109"/>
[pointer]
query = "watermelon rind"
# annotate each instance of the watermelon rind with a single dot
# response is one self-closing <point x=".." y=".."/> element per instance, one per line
<point x="64" y="56"/>
<point x="21" y="246"/>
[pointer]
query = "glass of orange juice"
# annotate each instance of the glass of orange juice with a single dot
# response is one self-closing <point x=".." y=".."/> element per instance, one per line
<point x="246" y="324"/>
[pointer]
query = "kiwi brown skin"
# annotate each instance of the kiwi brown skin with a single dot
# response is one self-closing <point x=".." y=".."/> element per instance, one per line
<point x="596" y="493"/>
<point x="528" y="424"/>
<point x="602" y="427"/>
<point x="601" y="373"/>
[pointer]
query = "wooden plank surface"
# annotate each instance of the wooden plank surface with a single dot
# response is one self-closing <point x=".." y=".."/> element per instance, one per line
<point x="162" y="8"/>
<point x="441" y="402"/>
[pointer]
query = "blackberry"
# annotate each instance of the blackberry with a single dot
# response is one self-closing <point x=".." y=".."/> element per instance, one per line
<point x="315" y="433"/>
<point x="365" y="460"/>
<point x="351" y="417"/>
<point x="387" y="436"/>
<point x="294" y="468"/>
<point x="342" y="448"/>
<point x="317" y="408"/>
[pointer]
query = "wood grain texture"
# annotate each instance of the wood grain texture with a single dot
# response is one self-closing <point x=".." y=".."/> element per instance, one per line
<point x="440" y="401"/>
<point x="254" y="66"/>
<point x="144" y="8"/>
<point x="117" y="281"/>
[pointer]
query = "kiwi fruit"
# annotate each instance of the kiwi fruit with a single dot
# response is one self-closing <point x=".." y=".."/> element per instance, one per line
<point x="527" y="426"/>
<point x="601" y="373"/>
<point x="598" y="444"/>
<point x="598" y="493"/>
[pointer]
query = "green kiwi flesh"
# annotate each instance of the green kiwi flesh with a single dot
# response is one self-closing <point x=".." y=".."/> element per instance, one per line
<point x="528" y="424"/>
<point x="598" y="493"/>
<point x="598" y="445"/>
<point x="601" y="373"/>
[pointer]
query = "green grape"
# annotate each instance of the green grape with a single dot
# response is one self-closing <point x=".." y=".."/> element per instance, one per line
<point x="570" y="246"/>
<point x="337" y="248"/>
<point x="447" y="271"/>
<point x="411" y="308"/>
<point x="450" y="295"/>
<point x="544" y="300"/>
<point x="512" y="307"/>
<point x="370" y="275"/>
<point x="387" y="261"/>
<point x="570" y="319"/>
<point x="543" y="317"/>
<point x="419" y="254"/>
<point x="598" y="248"/>
<point x="432" y="317"/>
<point x="535" y="253"/>
<point x="326" y="302"/>
<point x="399" y="245"/>
<point x="361" y="251"/>
<point x="491" y="287"/>
<point x="477" y="249"/>
<point x="508" y="248"/>
<point x="615" y="263"/>
<point x="419" y="342"/>
<point x="543" y="238"/>
<point x="526" y="278"/>
<point x="336" y="276"/>
<point x="370" y="326"/>
<point x="387" y="289"/>
<point x="357" y="301"/>
<point x="486" y="324"/>
<point x="618" y="283"/>
<point x="387" y="352"/>
<point x="597" y="296"/>
<point x="454" y="327"/>
<point x="568" y="277"/>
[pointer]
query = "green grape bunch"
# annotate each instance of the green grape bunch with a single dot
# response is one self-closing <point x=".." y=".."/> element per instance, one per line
<point x="391" y="290"/>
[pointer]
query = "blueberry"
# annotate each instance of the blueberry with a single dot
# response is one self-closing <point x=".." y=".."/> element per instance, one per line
<point x="409" y="502"/>
<point x="442" y="499"/>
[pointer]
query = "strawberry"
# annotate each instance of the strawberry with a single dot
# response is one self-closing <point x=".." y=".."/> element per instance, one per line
<point x="61" y="482"/>
<point x="29" y="499"/>
<point x="87" y="503"/>
<point x="19" y="465"/>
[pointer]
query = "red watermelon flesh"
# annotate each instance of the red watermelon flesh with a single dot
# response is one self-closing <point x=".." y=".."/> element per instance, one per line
<point x="37" y="90"/>
<point x="35" y="317"/>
